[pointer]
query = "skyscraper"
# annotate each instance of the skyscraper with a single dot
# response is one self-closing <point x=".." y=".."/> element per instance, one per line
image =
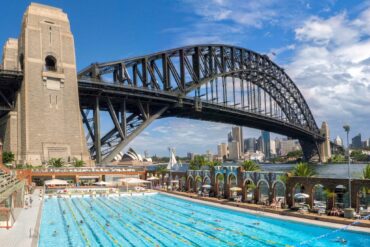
<point x="237" y="135"/>
<point x="250" y="145"/>
<point x="222" y="150"/>
<point x="234" y="151"/>
<point x="266" y="146"/>
<point x="356" y="142"/>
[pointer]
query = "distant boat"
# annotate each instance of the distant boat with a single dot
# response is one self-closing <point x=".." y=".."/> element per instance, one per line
<point x="173" y="165"/>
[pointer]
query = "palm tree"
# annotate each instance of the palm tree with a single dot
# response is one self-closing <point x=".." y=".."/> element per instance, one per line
<point x="250" y="165"/>
<point x="366" y="172"/>
<point x="303" y="170"/>
<point x="329" y="193"/>
<point x="162" y="170"/>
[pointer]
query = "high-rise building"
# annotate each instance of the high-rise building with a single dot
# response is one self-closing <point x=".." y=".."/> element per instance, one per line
<point x="234" y="150"/>
<point x="222" y="150"/>
<point x="287" y="146"/>
<point x="190" y="155"/>
<point x="208" y="156"/>
<point x="250" y="145"/>
<point x="259" y="144"/>
<point x="237" y="135"/>
<point x="272" y="148"/>
<point x="266" y="147"/>
<point x="338" y="141"/>
<point x="356" y="142"/>
<point x="230" y="137"/>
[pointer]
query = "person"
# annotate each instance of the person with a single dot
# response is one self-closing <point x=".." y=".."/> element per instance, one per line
<point x="107" y="224"/>
<point x="81" y="221"/>
<point x="54" y="233"/>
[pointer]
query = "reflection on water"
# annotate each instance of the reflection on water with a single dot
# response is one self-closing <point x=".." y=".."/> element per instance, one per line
<point x="328" y="170"/>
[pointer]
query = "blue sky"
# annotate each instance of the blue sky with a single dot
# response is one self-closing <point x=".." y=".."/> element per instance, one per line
<point x="323" y="45"/>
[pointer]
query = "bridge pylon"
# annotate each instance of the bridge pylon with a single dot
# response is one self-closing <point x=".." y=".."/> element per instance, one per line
<point x="45" y="122"/>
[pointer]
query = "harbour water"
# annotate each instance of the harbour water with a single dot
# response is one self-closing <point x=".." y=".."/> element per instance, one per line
<point x="324" y="170"/>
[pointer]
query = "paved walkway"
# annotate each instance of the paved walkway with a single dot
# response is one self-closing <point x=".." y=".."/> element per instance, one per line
<point x="331" y="221"/>
<point x="19" y="235"/>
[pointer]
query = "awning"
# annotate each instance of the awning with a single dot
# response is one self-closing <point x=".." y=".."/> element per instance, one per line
<point x="102" y="183"/>
<point x="88" y="177"/>
<point x="56" y="182"/>
<point x="134" y="181"/>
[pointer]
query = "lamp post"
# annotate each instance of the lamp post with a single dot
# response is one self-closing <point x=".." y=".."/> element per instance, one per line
<point x="347" y="129"/>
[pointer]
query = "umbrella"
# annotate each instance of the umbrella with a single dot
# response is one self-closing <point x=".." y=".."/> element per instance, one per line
<point x="207" y="186"/>
<point x="235" y="189"/>
<point x="174" y="181"/>
<point x="102" y="183"/>
<point x="56" y="182"/>
<point x="301" y="196"/>
<point x="152" y="178"/>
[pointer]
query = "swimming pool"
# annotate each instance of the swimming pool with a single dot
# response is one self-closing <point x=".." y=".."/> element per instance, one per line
<point x="161" y="220"/>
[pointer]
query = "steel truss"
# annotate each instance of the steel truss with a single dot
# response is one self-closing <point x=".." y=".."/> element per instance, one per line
<point x="211" y="82"/>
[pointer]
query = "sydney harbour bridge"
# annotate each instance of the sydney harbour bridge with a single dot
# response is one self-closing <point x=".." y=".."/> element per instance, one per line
<point x="217" y="83"/>
<point x="211" y="82"/>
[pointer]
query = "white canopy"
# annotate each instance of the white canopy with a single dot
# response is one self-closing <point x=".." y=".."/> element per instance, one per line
<point x="301" y="196"/>
<point x="174" y="181"/>
<point x="235" y="189"/>
<point x="152" y="178"/>
<point x="207" y="186"/>
<point x="56" y="182"/>
<point x="102" y="183"/>
<point x="133" y="181"/>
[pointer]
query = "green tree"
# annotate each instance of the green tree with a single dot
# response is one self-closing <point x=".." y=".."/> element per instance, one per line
<point x="337" y="158"/>
<point x="366" y="172"/>
<point x="330" y="194"/>
<point x="78" y="163"/>
<point x="214" y="163"/>
<point x="359" y="156"/>
<point x="295" y="154"/>
<point x="303" y="170"/>
<point x="197" y="162"/>
<point x="56" y="162"/>
<point x="8" y="157"/>
<point x="250" y="165"/>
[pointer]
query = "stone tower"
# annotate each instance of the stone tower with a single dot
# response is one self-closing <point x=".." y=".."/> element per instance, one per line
<point x="325" y="149"/>
<point x="46" y="123"/>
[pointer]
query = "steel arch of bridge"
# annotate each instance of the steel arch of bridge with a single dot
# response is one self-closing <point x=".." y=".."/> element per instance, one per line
<point x="210" y="82"/>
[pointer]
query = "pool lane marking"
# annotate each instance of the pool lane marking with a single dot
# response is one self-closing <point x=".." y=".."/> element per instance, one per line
<point x="194" y="229"/>
<point x="65" y="224"/>
<point x="151" y="223"/>
<point x="288" y="238"/>
<point x="102" y="227"/>
<point x="86" y="221"/>
<point x="78" y="226"/>
<point x="156" y="226"/>
<point x="101" y="217"/>
<point x="213" y="225"/>
<point x="126" y="224"/>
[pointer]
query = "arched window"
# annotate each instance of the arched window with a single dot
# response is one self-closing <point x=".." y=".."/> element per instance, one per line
<point x="50" y="63"/>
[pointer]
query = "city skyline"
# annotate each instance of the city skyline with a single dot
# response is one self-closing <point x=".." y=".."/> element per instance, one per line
<point x="337" y="64"/>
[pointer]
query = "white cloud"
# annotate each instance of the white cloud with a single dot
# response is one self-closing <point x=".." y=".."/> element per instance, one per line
<point x="331" y="67"/>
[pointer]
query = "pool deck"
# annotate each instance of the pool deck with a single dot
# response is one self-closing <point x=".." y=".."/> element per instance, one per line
<point x="23" y="233"/>
<point x="284" y="214"/>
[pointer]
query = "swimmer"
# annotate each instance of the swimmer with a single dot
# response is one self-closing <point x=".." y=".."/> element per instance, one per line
<point x="64" y="212"/>
<point x="54" y="233"/>
<point x="218" y="229"/>
<point x="107" y="224"/>
<point x="68" y="227"/>
<point x="217" y="220"/>
<point x="256" y="223"/>
<point x="81" y="221"/>
<point x="340" y="240"/>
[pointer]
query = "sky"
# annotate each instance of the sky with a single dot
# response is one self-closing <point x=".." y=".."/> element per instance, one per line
<point x="324" y="46"/>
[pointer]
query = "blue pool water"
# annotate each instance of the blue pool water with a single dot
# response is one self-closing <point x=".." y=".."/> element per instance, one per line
<point x="160" y="220"/>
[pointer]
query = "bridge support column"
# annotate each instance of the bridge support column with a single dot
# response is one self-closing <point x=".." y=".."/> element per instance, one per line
<point x="97" y="140"/>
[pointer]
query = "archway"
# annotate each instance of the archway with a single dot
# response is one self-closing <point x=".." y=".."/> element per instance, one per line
<point x="190" y="184"/>
<point x="220" y="185"/>
<point x="198" y="184"/>
<point x="249" y="190"/>
<point x="363" y="197"/>
<point x="279" y="192"/>
<point x="319" y="196"/>
<point x="263" y="191"/>
<point x="183" y="183"/>
<point x="50" y="63"/>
